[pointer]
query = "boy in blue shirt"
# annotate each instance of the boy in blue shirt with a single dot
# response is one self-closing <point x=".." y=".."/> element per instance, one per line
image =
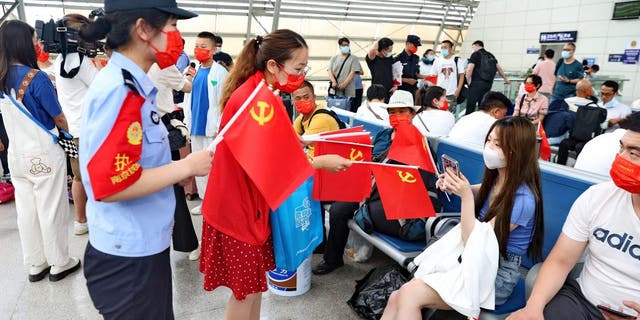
<point x="204" y="117"/>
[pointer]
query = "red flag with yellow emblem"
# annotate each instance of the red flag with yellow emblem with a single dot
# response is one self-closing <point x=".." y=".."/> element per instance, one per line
<point x="263" y="142"/>
<point x="545" y="147"/>
<point x="410" y="147"/>
<point x="351" y="185"/>
<point x="402" y="192"/>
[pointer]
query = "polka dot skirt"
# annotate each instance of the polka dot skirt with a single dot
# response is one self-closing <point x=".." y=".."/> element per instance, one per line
<point x="228" y="262"/>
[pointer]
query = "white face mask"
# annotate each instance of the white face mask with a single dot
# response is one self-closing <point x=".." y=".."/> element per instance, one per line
<point x="493" y="159"/>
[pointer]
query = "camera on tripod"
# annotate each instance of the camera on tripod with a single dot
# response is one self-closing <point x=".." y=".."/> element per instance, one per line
<point x="57" y="37"/>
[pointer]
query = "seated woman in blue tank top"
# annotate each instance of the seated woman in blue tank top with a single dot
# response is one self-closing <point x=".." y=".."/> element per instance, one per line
<point x="509" y="197"/>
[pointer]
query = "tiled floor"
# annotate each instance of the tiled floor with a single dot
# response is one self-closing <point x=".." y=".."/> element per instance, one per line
<point x="68" y="299"/>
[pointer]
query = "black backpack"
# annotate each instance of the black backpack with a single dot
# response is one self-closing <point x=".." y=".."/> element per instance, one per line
<point x="587" y="123"/>
<point x="341" y="124"/>
<point x="488" y="66"/>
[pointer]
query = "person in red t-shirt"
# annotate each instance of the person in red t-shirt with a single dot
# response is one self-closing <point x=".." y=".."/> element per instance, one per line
<point x="236" y="246"/>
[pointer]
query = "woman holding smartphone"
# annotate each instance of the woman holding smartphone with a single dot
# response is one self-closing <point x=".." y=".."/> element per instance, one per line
<point x="509" y="198"/>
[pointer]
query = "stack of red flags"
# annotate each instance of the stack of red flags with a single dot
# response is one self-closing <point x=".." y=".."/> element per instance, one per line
<point x="353" y="184"/>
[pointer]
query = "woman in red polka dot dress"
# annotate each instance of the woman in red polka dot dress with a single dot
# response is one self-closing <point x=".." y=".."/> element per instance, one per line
<point x="237" y="249"/>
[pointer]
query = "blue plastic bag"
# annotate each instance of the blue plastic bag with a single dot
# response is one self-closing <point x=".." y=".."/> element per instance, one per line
<point x="296" y="227"/>
<point x="341" y="102"/>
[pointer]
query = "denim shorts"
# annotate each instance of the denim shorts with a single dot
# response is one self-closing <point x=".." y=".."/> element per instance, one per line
<point x="507" y="277"/>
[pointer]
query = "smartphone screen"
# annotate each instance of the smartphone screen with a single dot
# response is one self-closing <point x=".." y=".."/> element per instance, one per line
<point x="448" y="162"/>
<point x="616" y="312"/>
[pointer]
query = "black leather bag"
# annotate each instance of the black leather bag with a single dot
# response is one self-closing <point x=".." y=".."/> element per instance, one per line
<point x="177" y="139"/>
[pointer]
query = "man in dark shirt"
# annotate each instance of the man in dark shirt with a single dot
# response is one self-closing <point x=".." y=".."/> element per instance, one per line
<point x="379" y="61"/>
<point x="410" y="66"/>
<point x="221" y="57"/>
<point x="478" y="85"/>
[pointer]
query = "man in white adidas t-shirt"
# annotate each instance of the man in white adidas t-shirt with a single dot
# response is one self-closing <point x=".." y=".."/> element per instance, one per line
<point x="605" y="219"/>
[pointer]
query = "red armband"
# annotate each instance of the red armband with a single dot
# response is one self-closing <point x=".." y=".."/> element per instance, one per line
<point x="114" y="166"/>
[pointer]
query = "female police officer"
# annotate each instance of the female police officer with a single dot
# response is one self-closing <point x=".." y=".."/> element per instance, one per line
<point x="126" y="163"/>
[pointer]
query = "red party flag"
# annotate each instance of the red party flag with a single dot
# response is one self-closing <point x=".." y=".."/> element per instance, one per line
<point x="402" y="192"/>
<point x="351" y="185"/>
<point x="410" y="147"/>
<point x="545" y="148"/>
<point x="264" y="143"/>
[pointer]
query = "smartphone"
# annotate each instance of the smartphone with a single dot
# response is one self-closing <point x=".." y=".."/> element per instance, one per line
<point x="448" y="162"/>
<point x="616" y="312"/>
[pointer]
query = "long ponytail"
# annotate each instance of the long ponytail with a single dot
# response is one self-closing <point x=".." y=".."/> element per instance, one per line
<point x="244" y="67"/>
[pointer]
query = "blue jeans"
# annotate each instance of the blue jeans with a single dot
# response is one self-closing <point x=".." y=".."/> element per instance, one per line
<point x="507" y="277"/>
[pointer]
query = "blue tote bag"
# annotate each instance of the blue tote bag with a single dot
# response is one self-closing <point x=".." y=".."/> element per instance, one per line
<point x="296" y="227"/>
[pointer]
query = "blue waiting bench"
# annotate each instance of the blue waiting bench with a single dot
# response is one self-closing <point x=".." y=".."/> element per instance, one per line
<point x="561" y="185"/>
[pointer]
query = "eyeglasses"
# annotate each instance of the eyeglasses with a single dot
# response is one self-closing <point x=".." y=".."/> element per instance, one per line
<point x="607" y="94"/>
<point x="304" y="71"/>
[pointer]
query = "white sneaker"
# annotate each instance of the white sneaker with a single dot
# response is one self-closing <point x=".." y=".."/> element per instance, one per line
<point x="80" y="228"/>
<point x="58" y="273"/>
<point x="194" y="255"/>
<point x="37" y="273"/>
<point x="196" y="211"/>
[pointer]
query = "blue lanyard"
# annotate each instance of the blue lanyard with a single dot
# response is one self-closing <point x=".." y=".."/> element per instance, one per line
<point x="30" y="116"/>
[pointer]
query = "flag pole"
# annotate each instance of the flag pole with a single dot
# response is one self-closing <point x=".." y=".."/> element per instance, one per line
<point x="385" y="164"/>
<point x="220" y="136"/>
<point x="314" y="137"/>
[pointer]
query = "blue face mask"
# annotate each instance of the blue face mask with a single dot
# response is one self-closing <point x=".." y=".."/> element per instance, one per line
<point x="610" y="104"/>
<point x="565" y="54"/>
<point x="345" y="49"/>
<point x="388" y="55"/>
<point x="445" y="52"/>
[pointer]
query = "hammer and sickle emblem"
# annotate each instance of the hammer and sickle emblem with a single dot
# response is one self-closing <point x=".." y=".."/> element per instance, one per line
<point x="406" y="177"/>
<point x="356" y="155"/>
<point x="262" y="117"/>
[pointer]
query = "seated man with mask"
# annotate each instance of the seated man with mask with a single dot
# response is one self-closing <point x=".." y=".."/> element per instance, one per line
<point x="313" y="118"/>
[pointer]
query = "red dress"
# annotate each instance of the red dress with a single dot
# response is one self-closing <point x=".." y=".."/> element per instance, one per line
<point x="235" y="250"/>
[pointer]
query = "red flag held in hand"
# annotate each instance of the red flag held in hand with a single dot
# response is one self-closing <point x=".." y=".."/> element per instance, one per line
<point x="545" y="148"/>
<point x="263" y="142"/>
<point x="402" y="192"/>
<point x="351" y="185"/>
<point x="410" y="147"/>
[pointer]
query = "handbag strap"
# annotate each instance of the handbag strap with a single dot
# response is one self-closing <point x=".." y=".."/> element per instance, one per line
<point x="342" y="66"/>
<point x="423" y="124"/>
<point x="26" y="81"/>
<point x="24" y="84"/>
<point x="374" y="113"/>
<point x="522" y="103"/>
<point x="30" y="116"/>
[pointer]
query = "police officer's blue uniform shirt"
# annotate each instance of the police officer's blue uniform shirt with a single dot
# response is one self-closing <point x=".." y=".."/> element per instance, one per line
<point x="133" y="228"/>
